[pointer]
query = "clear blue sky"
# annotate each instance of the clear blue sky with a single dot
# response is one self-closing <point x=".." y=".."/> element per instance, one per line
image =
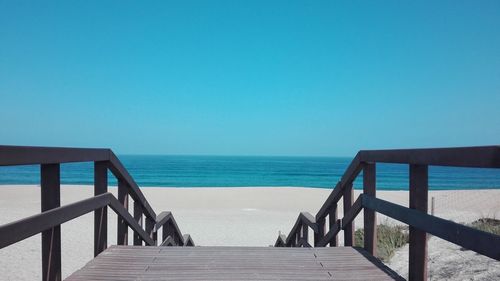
<point x="250" y="77"/>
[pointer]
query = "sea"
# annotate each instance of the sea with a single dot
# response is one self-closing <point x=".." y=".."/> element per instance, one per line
<point x="246" y="171"/>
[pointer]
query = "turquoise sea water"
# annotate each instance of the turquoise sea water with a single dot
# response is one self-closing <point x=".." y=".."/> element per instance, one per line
<point x="240" y="171"/>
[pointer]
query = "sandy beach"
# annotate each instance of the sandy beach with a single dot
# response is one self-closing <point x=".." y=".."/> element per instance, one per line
<point x="250" y="216"/>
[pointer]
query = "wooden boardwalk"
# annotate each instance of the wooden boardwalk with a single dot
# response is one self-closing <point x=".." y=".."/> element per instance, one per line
<point x="233" y="263"/>
<point x="292" y="258"/>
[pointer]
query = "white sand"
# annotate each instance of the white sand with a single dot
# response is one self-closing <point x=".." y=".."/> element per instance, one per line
<point x="213" y="216"/>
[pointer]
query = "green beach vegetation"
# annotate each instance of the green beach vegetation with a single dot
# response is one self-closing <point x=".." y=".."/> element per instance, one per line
<point x="491" y="225"/>
<point x="389" y="238"/>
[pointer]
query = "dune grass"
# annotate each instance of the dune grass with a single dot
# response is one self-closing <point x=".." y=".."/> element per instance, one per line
<point x="392" y="237"/>
<point x="487" y="224"/>
<point x="389" y="238"/>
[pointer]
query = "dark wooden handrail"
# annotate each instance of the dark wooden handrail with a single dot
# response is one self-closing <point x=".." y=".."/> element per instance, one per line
<point x="188" y="241"/>
<point x="300" y="230"/>
<point x="35" y="155"/>
<point x="32" y="155"/>
<point x="121" y="173"/>
<point x="473" y="157"/>
<point x="48" y="222"/>
<point x="481" y="242"/>
<point x="166" y="221"/>
<point x="24" y="228"/>
<point x="416" y="215"/>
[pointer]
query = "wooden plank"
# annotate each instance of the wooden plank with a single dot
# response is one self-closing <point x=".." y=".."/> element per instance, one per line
<point x="419" y="188"/>
<point x="233" y="263"/>
<point x="24" y="228"/>
<point x="51" y="238"/>
<point x="280" y="241"/>
<point x="370" y="220"/>
<point x="188" y="241"/>
<point x="331" y="234"/>
<point x="321" y="231"/>
<point x="305" y="233"/>
<point x="119" y="171"/>
<point x="115" y="205"/>
<point x="122" y="228"/>
<point x="309" y="220"/>
<point x="162" y="218"/>
<point x="348" y="228"/>
<point x="100" y="215"/>
<point x="150" y="224"/>
<point x="352" y="172"/>
<point x="170" y="227"/>
<point x="353" y="212"/>
<point x="481" y="242"/>
<point x="346" y="181"/>
<point x="332" y="199"/>
<point x="138" y="218"/>
<point x="332" y="219"/>
<point x="30" y="155"/>
<point x="303" y="218"/>
<point x="479" y="157"/>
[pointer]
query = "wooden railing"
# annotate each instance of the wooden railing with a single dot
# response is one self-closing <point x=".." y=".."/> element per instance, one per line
<point x="53" y="215"/>
<point x="415" y="216"/>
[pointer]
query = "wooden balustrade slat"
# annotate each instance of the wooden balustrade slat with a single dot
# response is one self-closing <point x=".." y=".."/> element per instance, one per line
<point x="370" y="219"/>
<point x="321" y="231"/>
<point x="352" y="213"/>
<point x="303" y="218"/>
<point x="332" y="199"/>
<point x="352" y="171"/>
<point x="122" y="229"/>
<point x="419" y="187"/>
<point x="119" y="171"/>
<point x="24" y="228"/>
<point x="100" y="215"/>
<point x="116" y="206"/>
<point x="281" y="241"/>
<point x="138" y="218"/>
<point x="150" y="228"/>
<point x="188" y="241"/>
<point x="349" y="227"/>
<point x="332" y="219"/>
<point x="331" y="234"/>
<point x="50" y="186"/>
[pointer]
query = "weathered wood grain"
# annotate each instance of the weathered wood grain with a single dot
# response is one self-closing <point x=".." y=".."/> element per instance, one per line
<point x="233" y="263"/>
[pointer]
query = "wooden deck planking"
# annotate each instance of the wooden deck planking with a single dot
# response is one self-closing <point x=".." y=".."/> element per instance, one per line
<point x="233" y="263"/>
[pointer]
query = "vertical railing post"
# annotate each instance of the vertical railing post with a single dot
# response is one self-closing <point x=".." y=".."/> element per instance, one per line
<point x="297" y="236"/>
<point x="100" y="215"/>
<point x="164" y="232"/>
<point x="349" y="229"/>
<point x="419" y="187"/>
<point x="122" y="228"/>
<point x="370" y="219"/>
<point x="321" y="231"/>
<point x="168" y="230"/>
<point x="138" y="218"/>
<point x="150" y="223"/>
<point x="332" y="220"/>
<point x="51" y="238"/>
<point x="305" y="233"/>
